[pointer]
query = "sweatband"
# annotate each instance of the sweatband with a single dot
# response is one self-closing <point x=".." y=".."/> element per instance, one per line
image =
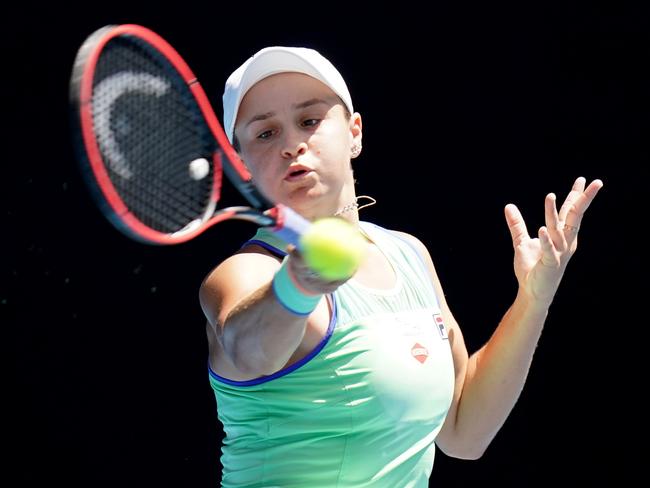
<point x="291" y="295"/>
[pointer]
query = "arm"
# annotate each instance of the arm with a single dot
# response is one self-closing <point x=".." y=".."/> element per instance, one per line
<point x="488" y="382"/>
<point x="256" y="332"/>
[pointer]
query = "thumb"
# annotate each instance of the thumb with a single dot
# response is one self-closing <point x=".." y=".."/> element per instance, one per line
<point x="516" y="224"/>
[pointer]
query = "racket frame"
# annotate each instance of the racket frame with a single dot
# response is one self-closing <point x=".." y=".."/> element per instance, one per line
<point x="225" y="158"/>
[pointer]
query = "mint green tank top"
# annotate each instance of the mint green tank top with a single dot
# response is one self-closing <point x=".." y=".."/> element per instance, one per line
<point x="361" y="410"/>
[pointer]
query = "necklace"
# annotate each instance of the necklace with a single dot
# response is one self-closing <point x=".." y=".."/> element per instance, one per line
<point x="355" y="205"/>
<point x="347" y="208"/>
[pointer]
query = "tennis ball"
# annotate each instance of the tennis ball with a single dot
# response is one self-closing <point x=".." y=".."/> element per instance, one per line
<point x="199" y="169"/>
<point x="333" y="248"/>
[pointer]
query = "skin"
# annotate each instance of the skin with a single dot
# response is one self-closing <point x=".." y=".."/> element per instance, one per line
<point x="290" y="122"/>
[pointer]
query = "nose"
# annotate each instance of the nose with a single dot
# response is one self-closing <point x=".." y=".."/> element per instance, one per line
<point x="293" y="147"/>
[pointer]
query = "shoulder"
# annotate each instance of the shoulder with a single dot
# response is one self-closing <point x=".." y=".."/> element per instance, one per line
<point x="411" y="239"/>
<point x="414" y="242"/>
<point x="422" y="251"/>
<point x="237" y="275"/>
<point x="420" y="248"/>
<point x="237" y="266"/>
<point x="398" y="233"/>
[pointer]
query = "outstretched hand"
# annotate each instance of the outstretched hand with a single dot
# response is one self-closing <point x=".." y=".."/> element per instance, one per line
<point x="540" y="262"/>
<point x="307" y="278"/>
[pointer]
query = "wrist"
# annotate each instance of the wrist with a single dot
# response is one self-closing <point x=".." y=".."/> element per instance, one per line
<point x="528" y="304"/>
<point x="290" y="294"/>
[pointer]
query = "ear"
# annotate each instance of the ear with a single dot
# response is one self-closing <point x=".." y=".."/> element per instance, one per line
<point x="356" y="134"/>
<point x="356" y="130"/>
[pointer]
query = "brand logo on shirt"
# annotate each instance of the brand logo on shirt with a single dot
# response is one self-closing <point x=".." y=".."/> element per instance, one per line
<point x="440" y="325"/>
<point x="420" y="352"/>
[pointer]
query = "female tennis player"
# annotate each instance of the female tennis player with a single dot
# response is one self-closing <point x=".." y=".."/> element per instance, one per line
<point x="353" y="383"/>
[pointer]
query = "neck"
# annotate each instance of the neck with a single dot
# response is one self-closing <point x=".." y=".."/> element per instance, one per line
<point x="347" y="203"/>
<point x="350" y="211"/>
<point x="354" y="206"/>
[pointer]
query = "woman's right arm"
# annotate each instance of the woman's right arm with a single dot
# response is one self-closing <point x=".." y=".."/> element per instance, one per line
<point x="257" y="332"/>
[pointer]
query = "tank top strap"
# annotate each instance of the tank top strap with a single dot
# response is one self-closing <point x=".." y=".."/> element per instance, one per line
<point x="406" y="256"/>
<point x="269" y="241"/>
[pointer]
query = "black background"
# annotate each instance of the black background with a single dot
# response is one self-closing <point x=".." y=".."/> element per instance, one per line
<point x="465" y="109"/>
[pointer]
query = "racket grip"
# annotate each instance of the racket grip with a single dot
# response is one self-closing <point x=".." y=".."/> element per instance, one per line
<point x="289" y="225"/>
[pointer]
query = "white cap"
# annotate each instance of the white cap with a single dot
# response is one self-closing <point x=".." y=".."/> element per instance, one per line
<point x="273" y="60"/>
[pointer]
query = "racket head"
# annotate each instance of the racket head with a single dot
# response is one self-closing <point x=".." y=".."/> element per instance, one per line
<point x="150" y="148"/>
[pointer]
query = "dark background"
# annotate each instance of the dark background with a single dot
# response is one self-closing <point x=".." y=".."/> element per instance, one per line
<point x="464" y="110"/>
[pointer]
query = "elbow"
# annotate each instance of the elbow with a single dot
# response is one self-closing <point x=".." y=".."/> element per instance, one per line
<point x="468" y="451"/>
<point x="249" y="363"/>
<point x="246" y="357"/>
<point x="472" y="454"/>
<point x="467" y="454"/>
<point x="243" y="361"/>
<point x="467" y="442"/>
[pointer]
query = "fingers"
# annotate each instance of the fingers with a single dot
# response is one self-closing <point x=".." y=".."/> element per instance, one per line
<point x="579" y="184"/>
<point x="549" y="256"/>
<point x="516" y="224"/>
<point x="554" y="225"/>
<point x="574" y="194"/>
<point x="550" y="212"/>
<point x="561" y="226"/>
<point x="308" y="278"/>
<point x="577" y="202"/>
<point x="588" y="196"/>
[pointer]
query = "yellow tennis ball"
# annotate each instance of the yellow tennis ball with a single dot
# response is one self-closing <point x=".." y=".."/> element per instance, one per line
<point x="333" y="248"/>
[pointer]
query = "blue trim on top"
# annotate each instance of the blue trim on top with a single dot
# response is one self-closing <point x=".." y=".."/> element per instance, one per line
<point x="268" y="247"/>
<point x="307" y="358"/>
<point x="293" y="367"/>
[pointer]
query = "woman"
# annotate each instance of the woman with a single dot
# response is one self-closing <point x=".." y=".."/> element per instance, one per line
<point x="353" y="382"/>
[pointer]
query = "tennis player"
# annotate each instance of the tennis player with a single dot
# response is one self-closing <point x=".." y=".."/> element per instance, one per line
<point x="353" y="383"/>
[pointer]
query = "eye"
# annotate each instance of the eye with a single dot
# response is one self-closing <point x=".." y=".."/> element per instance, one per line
<point x="310" y="122"/>
<point x="265" y="135"/>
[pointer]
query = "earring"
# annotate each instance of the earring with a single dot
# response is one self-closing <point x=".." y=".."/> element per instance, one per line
<point x="355" y="150"/>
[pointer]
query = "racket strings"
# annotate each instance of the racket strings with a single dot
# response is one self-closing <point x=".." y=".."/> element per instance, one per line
<point x="163" y="208"/>
<point x="149" y="129"/>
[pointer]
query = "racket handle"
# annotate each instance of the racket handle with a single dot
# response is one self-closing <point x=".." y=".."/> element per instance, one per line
<point x="289" y="225"/>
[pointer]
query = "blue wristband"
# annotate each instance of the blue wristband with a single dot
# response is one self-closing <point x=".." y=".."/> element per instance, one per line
<point x="290" y="295"/>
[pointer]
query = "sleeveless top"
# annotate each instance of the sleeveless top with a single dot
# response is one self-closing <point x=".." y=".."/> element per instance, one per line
<point x="364" y="407"/>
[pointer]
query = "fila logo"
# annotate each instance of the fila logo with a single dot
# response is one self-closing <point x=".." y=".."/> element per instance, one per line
<point x="420" y="352"/>
<point x="440" y="325"/>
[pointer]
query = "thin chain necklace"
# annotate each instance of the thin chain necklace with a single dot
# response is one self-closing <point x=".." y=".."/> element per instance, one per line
<point x="355" y="205"/>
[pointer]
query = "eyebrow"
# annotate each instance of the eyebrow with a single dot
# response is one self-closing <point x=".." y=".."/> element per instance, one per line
<point x="295" y="106"/>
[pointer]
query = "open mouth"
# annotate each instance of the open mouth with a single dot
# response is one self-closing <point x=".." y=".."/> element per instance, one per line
<point x="296" y="174"/>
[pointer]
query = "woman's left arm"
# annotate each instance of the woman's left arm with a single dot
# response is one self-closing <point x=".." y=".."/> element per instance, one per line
<point x="488" y="382"/>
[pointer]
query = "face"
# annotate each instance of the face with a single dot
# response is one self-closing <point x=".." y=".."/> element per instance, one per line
<point x="295" y="137"/>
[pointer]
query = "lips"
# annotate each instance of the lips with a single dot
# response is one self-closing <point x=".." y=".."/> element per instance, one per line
<point x="296" y="172"/>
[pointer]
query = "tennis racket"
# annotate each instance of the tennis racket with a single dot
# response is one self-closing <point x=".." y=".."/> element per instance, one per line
<point x="151" y="149"/>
